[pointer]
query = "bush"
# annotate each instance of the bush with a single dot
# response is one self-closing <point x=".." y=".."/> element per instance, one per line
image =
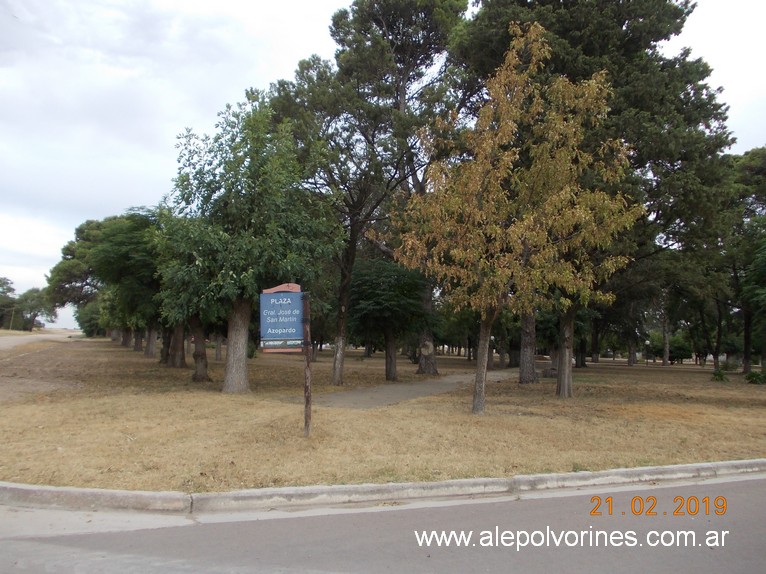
<point x="756" y="378"/>
<point x="720" y="377"/>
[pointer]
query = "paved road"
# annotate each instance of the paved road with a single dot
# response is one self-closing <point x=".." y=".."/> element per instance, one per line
<point x="383" y="539"/>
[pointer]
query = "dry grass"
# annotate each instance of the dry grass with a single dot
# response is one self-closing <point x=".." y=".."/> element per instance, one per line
<point x="111" y="418"/>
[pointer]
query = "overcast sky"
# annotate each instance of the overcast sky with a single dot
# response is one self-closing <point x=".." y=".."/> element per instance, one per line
<point x="94" y="92"/>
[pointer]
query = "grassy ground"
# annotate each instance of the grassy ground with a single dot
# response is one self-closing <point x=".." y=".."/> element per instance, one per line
<point x="99" y="415"/>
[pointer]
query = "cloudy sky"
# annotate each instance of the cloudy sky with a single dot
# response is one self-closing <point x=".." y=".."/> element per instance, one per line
<point x="94" y="92"/>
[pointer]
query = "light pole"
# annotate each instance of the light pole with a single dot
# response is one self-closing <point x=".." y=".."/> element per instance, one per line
<point x="646" y="351"/>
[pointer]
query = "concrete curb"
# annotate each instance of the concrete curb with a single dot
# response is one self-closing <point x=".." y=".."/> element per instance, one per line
<point x="26" y="495"/>
<point x="22" y="495"/>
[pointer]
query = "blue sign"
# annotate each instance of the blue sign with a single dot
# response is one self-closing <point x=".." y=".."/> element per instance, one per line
<point x="281" y="318"/>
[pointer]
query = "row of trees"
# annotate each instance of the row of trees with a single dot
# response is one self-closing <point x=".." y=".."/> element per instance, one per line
<point x="460" y="180"/>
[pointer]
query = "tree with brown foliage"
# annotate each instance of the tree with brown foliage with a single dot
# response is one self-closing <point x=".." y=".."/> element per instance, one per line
<point x="514" y="214"/>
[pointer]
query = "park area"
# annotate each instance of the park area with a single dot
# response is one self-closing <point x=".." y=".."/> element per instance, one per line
<point x="90" y="413"/>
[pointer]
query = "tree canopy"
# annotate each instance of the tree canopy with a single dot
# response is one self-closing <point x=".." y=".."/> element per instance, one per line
<point x="257" y="227"/>
<point x="386" y="301"/>
<point x="511" y="218"/>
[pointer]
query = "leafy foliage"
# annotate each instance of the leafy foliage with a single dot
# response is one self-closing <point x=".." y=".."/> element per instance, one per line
<point x="756" y="378"/>
<point x="256" y="225"/>
<point x="125" y="258"/>
<point x="34" y="303"/>
<point x="385" y="298"/>
<point x="510" y="218"/>
<point x="72" y="280"/>
<point x="88" y="317"/>
<point x="249" y="225"/>
<point x="522" y="208"/>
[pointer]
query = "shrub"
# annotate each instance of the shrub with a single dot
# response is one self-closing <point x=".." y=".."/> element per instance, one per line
<point x="756" y="378"/>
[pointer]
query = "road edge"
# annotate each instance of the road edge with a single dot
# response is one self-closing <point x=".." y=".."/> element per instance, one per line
<point x="69" y="498"/>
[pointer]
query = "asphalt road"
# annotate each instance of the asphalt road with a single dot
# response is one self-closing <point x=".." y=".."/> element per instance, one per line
<point x="545" y="532"/>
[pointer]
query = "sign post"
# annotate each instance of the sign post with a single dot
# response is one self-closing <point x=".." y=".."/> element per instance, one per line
<point x="285" y="318"/>
<point x="307" y="365"/>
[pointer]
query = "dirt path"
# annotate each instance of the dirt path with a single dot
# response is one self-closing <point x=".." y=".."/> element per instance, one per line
<point x="390" y="394"/>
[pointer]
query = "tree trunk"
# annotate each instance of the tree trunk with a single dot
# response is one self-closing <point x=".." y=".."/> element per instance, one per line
<point x="665" y="339"/>
<point x="177" y="358"/>
<point x="126" y="336"/>
<point x="200" y="351"/>
<point x="718" y="335"/>
<point x="235" y="380"/>
<point x="564" y="366"/>
<point x="708" y="342"/>
<point x="344" y="289"/>
<point x="138" y="340"/>
<point x="527" y="371"/>
<point x="582" y="352"/>
<point x="339" y="356"/>
<point x="482" y="353"/>
<point x="514" y="357"/>
<point x="502" y="351"/>
<point x="427" y="359"/>
<point x="747" y="338"/>
<point x="218" y="347"/>
<point x="167" y="337"/>
<point x="595" y="341"/>
<point x="115" y="335"/>
<point x="554" y="357"/>
<point x="151" y="342"/>
<point x="390" y="342"/>
<point x="632" y="358"/>
<point x="490" y="356"/>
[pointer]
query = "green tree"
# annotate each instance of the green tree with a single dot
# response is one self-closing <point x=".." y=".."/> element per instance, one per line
<point x="88" y="317"/>
<point x="261" y="227"/>
<point x="72" y="280"/>
<point x="498" y="232"/>
<point x="662" y="107"/>
<point x="358" y="120"/>
<point x="709" y="270"/>
<point x="34" y="303"/>
<point x="756" y="277"/>
<point x="386" y="300"/>
<point x="125" y="259"/>
<point x="7" y="302"/>
<point x="189" y="248"/>
<point x="456" y="328"/>
<point x="754" y="288"/>
<point x="748" y="226"/>
<point x="6" y="286"/>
